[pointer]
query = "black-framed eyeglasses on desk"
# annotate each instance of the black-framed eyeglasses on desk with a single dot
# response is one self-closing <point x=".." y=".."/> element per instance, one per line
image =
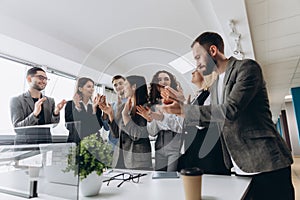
<point x="123" y="177"/>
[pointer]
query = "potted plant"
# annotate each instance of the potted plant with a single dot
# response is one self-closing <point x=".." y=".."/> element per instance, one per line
<point x="93" y="157"/>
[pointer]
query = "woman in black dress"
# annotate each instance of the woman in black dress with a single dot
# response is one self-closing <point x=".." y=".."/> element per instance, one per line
<point x="84" y="110"/>
<point x="202" y="146"/>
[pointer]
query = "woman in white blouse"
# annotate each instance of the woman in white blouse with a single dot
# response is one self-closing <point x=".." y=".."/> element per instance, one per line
<point x="166" y="128"/>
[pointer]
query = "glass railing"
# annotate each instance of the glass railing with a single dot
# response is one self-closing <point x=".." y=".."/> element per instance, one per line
<point x="35" y="166"/>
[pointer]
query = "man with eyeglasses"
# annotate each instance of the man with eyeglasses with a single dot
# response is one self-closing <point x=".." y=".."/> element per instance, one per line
<point x="32" y="107"/>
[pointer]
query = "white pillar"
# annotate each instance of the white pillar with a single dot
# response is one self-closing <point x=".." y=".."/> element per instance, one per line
<point x="293" y="130"/>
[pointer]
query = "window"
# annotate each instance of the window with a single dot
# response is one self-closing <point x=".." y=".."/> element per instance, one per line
<point x="60" y="88"/>
<point x="12" y="83"/>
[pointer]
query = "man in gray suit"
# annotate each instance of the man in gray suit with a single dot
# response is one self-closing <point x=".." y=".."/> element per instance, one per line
<point x="240" y="106"/>
<point x="32" y="107"/>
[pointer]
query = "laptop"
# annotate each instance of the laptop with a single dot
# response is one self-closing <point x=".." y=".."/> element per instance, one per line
<point x="33" y="135"/>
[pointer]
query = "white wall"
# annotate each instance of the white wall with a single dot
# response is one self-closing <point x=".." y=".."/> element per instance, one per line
<point x="33" y="54"/>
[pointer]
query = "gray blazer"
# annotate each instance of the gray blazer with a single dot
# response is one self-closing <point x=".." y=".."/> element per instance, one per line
<point x="21" y="111"/>
<point x="244" y="118"/>
<point x="133" y="145"/>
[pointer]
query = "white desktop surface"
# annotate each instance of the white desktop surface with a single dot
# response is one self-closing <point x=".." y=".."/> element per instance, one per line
<point x="214" y="187"/>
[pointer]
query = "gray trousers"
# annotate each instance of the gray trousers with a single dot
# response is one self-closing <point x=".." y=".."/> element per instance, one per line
<point x="167" y="151"/>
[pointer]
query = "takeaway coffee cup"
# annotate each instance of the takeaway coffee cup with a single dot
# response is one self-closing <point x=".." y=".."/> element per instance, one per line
<point x="192" y="183"/>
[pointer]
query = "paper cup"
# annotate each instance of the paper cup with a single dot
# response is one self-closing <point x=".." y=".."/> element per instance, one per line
<point x="192" y="183"/>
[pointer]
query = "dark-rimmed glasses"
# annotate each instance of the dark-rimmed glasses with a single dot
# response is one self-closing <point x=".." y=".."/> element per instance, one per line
<point x="123" y="177"/>
<point x="42" y="78"/>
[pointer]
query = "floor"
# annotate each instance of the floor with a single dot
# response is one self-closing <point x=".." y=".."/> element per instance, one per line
<point x="296" y="176"/>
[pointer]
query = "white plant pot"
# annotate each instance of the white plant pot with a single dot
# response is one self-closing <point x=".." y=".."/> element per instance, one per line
<point x="91" y="185"/>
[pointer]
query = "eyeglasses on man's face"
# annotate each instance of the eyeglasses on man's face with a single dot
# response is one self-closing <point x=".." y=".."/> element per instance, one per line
<point x="42" y="78"/>
<point x="123" y="177"/>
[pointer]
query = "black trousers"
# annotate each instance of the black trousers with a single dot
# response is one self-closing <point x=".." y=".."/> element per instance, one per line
<point x="274" y="185"/>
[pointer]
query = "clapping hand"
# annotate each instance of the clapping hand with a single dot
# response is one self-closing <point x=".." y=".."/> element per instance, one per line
<point x="106" y="107"/>
<point x="38" y="106"/>
<point x="149" y="115"/>
<point x="145" y="112"/>
<point x="173" y="101"/>
<point x="126" y="111"/>
<point x="169" y="95"/>
<point x="174" y="108"/>
<point x="96" y="102"/>
<point x="59" y="106"/>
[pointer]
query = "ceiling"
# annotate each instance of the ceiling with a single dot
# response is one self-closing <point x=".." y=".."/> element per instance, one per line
<point x="143" y="36"/>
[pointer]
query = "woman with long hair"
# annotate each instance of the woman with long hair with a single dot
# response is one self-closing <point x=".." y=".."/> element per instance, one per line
<point x="202" y="146"/>
<point x="165" y="127"/>
<point x="85" y="110"/>
<point x="133" y="150"/>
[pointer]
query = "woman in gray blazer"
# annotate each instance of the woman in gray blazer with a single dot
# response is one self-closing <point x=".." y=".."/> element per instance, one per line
<point x="133" y="150"/>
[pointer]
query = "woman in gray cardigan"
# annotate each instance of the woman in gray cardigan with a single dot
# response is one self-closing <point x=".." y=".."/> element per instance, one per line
<point x="133" y="150"/>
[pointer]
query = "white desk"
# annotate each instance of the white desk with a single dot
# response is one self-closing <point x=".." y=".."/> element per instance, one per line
<point x="214" y="187"/>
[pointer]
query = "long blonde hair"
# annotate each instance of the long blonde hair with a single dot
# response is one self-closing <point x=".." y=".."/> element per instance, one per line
<point x="209" y="80"/>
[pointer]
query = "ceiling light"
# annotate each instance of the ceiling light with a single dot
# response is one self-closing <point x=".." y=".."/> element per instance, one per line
<point x="288" y="98"/>
<point x="184" y="63"/>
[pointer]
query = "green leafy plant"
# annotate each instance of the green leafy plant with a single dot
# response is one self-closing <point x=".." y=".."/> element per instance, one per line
<point x="92" y="154"/>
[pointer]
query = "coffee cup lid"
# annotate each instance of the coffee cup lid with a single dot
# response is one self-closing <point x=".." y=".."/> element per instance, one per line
<point x="194" y="171"/>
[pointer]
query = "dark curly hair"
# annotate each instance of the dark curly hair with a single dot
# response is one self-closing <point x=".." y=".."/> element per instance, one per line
<point x="154" y="95"/>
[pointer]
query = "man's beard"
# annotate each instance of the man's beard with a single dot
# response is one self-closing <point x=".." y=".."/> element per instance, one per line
<point x="211" y="65"/>
<point x="37" y="87"/>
